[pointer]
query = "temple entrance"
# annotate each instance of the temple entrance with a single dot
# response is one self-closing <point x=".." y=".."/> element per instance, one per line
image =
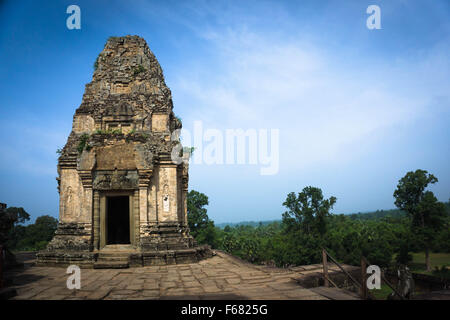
<point x="118" y="220"/>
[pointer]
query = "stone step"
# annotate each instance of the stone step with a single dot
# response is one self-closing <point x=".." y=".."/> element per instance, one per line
<point x="114" y="255"/>
<point x="117" y="247"/>
<point x="113" y="259"/>
<point x="111" y="265"/>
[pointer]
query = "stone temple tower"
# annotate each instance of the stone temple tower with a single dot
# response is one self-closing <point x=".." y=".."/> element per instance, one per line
<point x="122" y="197"/>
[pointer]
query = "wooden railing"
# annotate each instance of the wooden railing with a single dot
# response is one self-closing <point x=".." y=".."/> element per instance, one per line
<point x="363" y="272"/>
<point x="364" y="292"/>
<point x="327" y="280"/>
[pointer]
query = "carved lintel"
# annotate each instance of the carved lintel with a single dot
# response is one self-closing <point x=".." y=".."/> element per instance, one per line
<point x="117" y="180"/>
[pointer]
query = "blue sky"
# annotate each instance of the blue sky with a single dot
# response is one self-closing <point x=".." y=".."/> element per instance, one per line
<point x="356" y="108"/>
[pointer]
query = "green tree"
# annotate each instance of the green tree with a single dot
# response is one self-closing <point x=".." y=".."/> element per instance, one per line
<point x="10" y="221"/>
<point x="426" y="212"/>
<point x="44" y="228"/>
<point x="404" y="256"/>
<point x="201" y="227"/>
<point x="229" y="243"/>
<point x="19" y="214"/>
<point x="35" y="236"/>
<point x="304" y="227"/>
<point x="309" y="210"/>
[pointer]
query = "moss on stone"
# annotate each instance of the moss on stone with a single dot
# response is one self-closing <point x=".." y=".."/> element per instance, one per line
<point x="83" y="144"/>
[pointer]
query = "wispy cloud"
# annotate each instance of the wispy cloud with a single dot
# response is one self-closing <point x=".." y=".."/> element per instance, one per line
<point x="296" y="86"/>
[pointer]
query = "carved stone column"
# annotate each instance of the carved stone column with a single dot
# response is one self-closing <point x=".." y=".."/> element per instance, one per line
<point x="96" y="221"/>
<point x="185" y="186"/>
<point x="136" y="215"/>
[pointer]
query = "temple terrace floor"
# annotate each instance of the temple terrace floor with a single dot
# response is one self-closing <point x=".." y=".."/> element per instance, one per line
<point x="219" y="277"/>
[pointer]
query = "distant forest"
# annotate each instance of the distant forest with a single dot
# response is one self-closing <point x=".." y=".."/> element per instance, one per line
<point x="373" y="215"/>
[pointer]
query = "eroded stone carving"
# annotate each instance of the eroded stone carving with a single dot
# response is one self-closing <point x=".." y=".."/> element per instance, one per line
<point x="115" y="180"/>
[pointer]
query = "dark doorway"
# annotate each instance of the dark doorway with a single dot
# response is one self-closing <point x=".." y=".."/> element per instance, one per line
<point x="118" y="218"/>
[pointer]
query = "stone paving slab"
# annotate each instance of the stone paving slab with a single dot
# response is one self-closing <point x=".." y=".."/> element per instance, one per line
<point x="219" y="277"/>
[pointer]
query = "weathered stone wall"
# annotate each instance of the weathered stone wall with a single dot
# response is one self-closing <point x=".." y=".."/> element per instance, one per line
<point x="159" y="122"/>
<point x="83" y="124"/>
<point x="120" y="156"/>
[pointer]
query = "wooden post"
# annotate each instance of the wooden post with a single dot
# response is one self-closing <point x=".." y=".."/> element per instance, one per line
<point x="325" y="268"/>
<point x="363" y="278"/>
